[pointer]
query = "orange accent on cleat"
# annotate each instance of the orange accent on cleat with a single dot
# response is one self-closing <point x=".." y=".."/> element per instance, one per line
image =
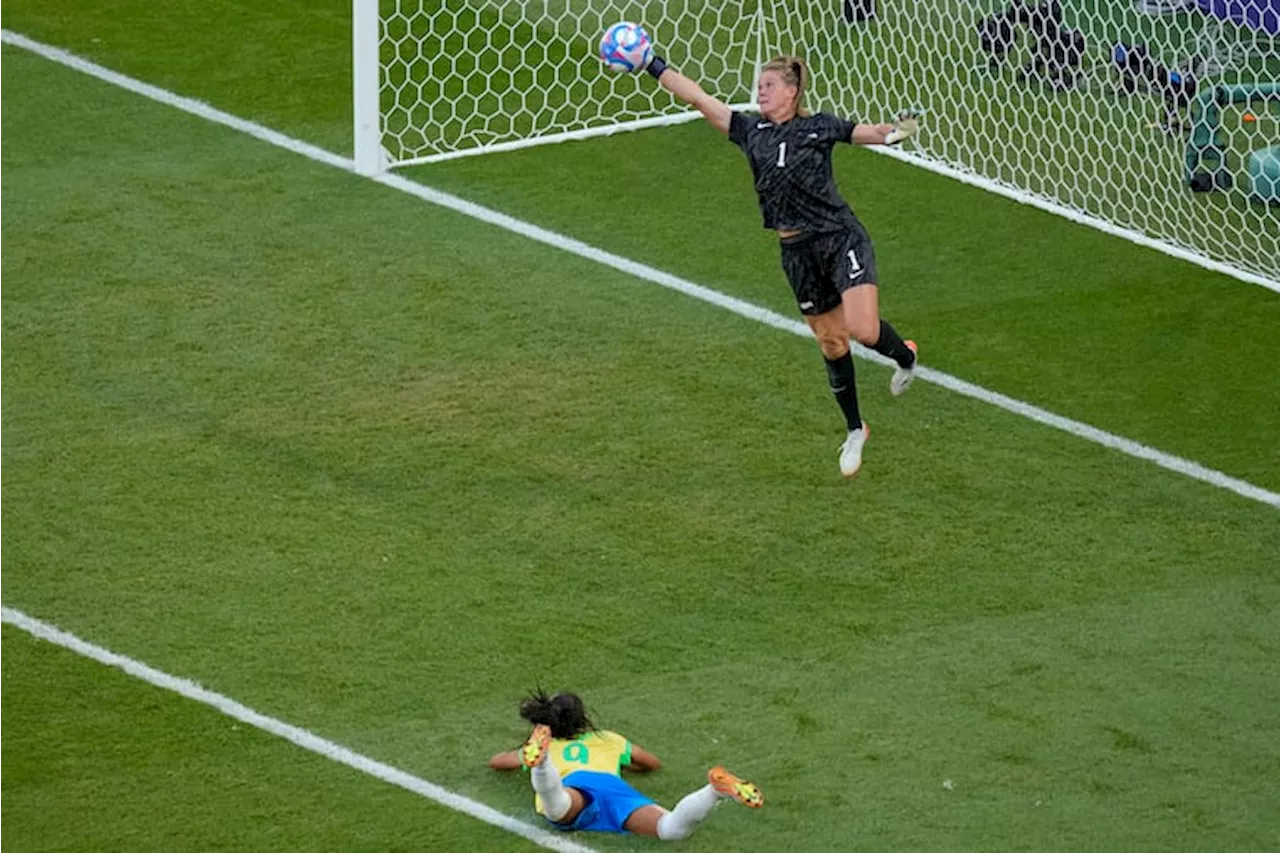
<point x="535" y="748"/>
<point x="902" y="376"/>
<point x="727" y="785"/>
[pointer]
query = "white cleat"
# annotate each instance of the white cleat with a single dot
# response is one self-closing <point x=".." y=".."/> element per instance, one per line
<point x="902" y="376"/>
<point x="851" y="451"/>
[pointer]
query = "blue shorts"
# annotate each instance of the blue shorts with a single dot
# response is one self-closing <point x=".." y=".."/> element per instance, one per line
<point x="609" y="802"/>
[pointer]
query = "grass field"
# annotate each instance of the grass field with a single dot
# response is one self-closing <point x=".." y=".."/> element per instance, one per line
<point x="376" y="469"/>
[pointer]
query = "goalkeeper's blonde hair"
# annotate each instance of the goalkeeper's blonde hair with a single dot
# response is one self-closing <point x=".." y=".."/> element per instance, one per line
<point x="794" y="72"/>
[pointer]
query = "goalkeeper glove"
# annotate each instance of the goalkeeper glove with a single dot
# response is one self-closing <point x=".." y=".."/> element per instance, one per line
<point x="905" y="126"/>
<point x="656" y="66"/>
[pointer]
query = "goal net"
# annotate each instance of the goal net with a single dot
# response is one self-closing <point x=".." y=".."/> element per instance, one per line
<point x="465" y="76"/>
<point x="1159" y="119"/>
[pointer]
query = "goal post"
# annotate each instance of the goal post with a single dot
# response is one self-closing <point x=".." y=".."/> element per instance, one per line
<point x="1085" y="108"/>
<point x="366" y="81"/>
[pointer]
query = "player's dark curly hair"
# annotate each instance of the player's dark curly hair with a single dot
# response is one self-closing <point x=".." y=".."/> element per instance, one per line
<point x="794" y="72"/>
<point x="564" y="713"/>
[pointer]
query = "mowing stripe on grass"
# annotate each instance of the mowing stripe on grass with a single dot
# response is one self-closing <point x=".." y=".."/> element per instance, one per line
<point x="301" y="737"/>
<point x="1182" y="466"/>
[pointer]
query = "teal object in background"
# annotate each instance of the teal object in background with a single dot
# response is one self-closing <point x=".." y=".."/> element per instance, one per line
<point x="1206" y="164"/>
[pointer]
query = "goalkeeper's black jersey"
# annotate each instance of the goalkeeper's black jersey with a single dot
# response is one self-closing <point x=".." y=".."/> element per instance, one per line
<point x="791" y="163"/>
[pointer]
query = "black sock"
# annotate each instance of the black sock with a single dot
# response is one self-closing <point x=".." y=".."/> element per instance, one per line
<point x="840" y="375"/>
<point x="891" y="344"/>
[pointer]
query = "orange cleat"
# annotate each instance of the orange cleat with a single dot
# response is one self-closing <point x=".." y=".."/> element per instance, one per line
<point x="728" y="785"/>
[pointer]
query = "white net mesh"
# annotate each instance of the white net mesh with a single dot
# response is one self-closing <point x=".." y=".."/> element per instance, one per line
<point x="1104" y="107"/>
<point x="1045" y="108"/>
<point x="461" y="74"/>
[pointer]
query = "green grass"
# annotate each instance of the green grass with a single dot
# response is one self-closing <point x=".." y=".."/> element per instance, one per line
<point x="98" y="761"/>
<point x="1000" y="295"/>
<point x="375" y="469"/>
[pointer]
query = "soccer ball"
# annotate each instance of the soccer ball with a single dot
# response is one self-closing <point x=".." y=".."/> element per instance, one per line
<point x="625" y="48"/>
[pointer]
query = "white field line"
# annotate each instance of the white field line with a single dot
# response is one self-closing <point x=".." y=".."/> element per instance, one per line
<point x="550" y="238"/>
<point x="565" y="136"/>
<point x="301" y="737"/>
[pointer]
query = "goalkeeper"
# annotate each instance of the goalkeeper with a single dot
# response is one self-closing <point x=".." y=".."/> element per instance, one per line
<point x="826" y="253"/>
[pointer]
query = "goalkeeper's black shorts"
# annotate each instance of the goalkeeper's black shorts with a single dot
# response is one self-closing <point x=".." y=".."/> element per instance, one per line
<point x="823" y="265"/>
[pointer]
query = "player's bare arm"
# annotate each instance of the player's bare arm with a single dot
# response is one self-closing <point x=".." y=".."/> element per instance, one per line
<point x="871" y="134"/>
<point x="643" y="761"/>
<point x="714" y="110"/>
<point x="902" y="128"/>
<point x="509" y="760"/>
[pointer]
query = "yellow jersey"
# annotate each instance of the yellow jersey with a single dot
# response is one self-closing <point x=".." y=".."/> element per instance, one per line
<point x="600" y="751"/>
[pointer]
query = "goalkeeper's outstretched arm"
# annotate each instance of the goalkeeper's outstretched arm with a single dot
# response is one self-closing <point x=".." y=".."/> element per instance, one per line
<point x="871" y="134"/>
<point x="905" y="126"/>
<point x="715" y="111"/>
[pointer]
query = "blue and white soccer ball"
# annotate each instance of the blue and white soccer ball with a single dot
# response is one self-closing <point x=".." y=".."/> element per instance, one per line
<point x="626" y="48"/>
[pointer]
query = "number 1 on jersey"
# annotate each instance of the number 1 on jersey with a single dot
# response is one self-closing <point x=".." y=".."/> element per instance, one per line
<point x="782" y="154"/>
<point x="855" y="267"/>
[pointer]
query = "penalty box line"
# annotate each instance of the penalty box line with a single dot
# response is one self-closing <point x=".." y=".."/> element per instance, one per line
<point x="298" y="736"/>
<point x="1186" y="467"/>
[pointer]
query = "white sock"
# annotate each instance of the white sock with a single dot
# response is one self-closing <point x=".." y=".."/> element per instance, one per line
<point x="546" y="781"/>
<point x="681" y="821"/>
